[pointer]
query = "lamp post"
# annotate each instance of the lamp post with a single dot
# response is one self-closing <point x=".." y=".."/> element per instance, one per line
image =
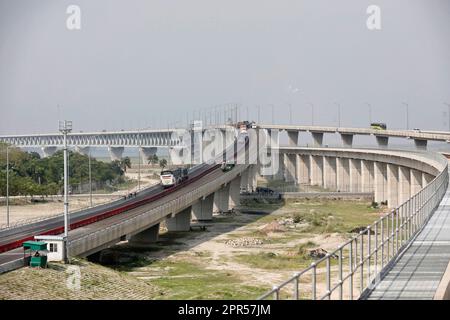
<point x="90" y="179"/>
<point x="407" y="114"/>
<point x="7" y="186"/>
<point x="65" y="127"/>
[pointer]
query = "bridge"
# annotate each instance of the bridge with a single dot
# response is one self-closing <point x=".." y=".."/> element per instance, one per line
<point x="412" y="183"/>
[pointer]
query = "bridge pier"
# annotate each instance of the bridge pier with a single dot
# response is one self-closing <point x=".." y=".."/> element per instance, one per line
<point x="342" y="174"/>
<point x="416" y="181"/>
<point x="404" y="184"/>
<point x="180" y="221"/>
<point x="146" y="153"/>
<point x="355" y="175"/>
<point x="379" y="175"/>
<point x="317" y="139"/>
<point x="329" y="172"/>
<point x="203" y="209"/>
<point x="146" y="237"/>
<point x="347" y="139"/>
<point x="49" y="151"/>
<point x="367" y="176"/>
<point x="303" y="165"/>
<point x="316" y="170"/>
<point x="292" y="138"/>
<point x="235" y="192"/>
<point x="290" y="160"/>
<point x="221" y="196"/>
<point x="421" y="144"/>
<point x="392" y="185"/>
<point x="116" y="153"/>
<point x="382" y="141"/>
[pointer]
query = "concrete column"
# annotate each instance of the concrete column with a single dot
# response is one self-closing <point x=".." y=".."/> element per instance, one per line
<point x="145" y="237"/>
<point x="347" y="140"/>
<point x="83" y="150"/>
<point x="221" y="199"/>
<point x="180" y="221"/>
<point x="316" y="170"/>
<point x="342" y="174"/>
<point x="404" y="184"/>
<point x="416" y="181"/>
<point x="249" y="178"/>
<point x="379" y="181"/>
<point x="367" y="176"/>
<point x="329" y="173"/>
<point x="292" y="138"/>
<point x="382" y="141"/>
<point x="420" y="144"/>
<point x="303" y="165"/>
<point x="245" y="181"/>
<point x="146" y="153"/>
<point x="290" y="162"/>
<point x="392" y="185"/>
<point x="317" y="139"/>
<point x="355" y="175"/>
<point x="203" y="209"/>
<point x="279" y="175"/>
<point x="426" y="179"/>
<point x="235" y="192"/>
<point x="116" y="153"/>
<point x="49" y="151"/>
<point x="179" y="156"/>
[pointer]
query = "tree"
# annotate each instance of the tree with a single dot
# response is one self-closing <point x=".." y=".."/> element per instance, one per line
<point x="163" y="163"/>
<point x="153" y="159"/>
<point x="125" y="163"/>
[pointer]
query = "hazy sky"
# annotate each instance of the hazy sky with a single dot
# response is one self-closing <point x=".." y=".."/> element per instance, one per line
<point x="141" y="63"/>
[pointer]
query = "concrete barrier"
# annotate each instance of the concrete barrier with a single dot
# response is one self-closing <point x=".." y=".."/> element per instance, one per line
<point x="12" y="265"/>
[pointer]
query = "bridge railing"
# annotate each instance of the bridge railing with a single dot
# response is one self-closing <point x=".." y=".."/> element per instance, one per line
<point x="355" y="267"/>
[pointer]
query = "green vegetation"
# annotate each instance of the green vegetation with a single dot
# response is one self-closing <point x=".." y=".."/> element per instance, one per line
<point x="29" y="174"/>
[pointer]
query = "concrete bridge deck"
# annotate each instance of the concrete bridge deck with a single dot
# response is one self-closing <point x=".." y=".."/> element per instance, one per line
<point x="417" y="273"/>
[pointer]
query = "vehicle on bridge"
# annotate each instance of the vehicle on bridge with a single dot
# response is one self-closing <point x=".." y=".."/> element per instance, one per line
<point x="378" y="126"/>
<point x="227" y="166"/>
<point x="171" y="178"/>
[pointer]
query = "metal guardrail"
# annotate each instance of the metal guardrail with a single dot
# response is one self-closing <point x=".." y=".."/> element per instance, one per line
<point x="364" y="258"/>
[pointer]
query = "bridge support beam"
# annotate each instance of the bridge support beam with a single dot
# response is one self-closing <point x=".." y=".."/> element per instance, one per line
<point x="83" y="150"/>
<point x="317" y="139"/>
<point x="292" y="138"/>
<point x="180" y="221"/>
<point x="279" y="175"/>
<point x="421" y="144"/>
<point x="146" y="153"/>
<point x="347" y="139"/>
<point x="221" y="196"/>
<point x="355" y="175"/>
<point x="426" y="179"/>
<point x="235" y="192"/>
<point x="392" y="185"/>
<point x="116" y="153"/>
<point x="329" y="173"/>
<point x="302" y="170"/>
<point x="379" y="175"/>
<point x="382" y="141"/>
<point x="316" y="170"/>
<point x="416" y="181"/>
<point x="290" y="160"/>
<point x="145" y="237"/>
<point x="366" y="176"/>
<point x="49" y="151"/>
<point x="404" y="184"/>
<point x="203" y="209"/>
<point x="342" y="174"/>
<point x="252" y="177"/>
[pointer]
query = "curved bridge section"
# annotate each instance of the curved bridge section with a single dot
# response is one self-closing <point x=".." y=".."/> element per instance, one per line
<point x="413" y="183"/>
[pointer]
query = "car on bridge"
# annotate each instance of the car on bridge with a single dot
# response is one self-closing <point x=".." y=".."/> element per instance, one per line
<point x="378" y="126"/>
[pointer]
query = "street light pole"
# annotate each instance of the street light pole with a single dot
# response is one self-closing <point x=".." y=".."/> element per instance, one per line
<point x="90" y="179"/>
<point x="407" y="114"/>
<point x="65" y="127"/>
<point x="7" y="186"/>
